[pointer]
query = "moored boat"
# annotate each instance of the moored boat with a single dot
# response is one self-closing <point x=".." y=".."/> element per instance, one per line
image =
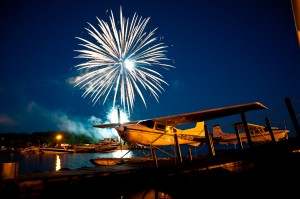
<point x="107" y="145"/>
<point x="56" y="150"/>
<point x="102" y="161"/>
<point x="105" y="148"/>
<point x="106" y="161"/>
<point x="85" y="148"/>
<point x="31" y="150"/>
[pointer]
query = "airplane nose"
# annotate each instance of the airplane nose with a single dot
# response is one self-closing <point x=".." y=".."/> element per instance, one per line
<point x="120" y="129"/>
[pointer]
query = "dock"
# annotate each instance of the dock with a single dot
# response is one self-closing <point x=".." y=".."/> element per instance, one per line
<point x="267" y="171"/>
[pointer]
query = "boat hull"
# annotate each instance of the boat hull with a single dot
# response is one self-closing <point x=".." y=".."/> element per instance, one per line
<point x="56" y="150"/>
<point x="106" y="149"/>
<point x="31" y="150"/>
<point x="84" y="149"/>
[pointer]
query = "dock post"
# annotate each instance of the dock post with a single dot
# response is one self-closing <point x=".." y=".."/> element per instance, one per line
<point x="211" y="148"/>
<point x="238" y="138"/>
<point x="247" y="130"/>
<point x="292" y="115"/>
<point x="9" y="174"/>
<point x="178" y="148"/>
<point x="270" y="129"/>
<point x="190" y="154"/>
<point x="153" y="152"/>
<point x="10" y="170"/>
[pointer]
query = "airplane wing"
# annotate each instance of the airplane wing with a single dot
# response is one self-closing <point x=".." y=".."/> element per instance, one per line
<point x="198" y="116"/>
<point x="208" y="114"/>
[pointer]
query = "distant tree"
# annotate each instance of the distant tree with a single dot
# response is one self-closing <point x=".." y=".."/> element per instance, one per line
<point x="22" y="140"/>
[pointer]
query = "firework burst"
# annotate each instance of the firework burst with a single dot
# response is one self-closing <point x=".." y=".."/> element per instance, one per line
<point x="121" y="62"/>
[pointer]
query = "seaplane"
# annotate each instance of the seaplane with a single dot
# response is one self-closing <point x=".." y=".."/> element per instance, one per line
<point x="259" y="134"/>
<point x="164" y="131"/>
<point x="161" y="131"/>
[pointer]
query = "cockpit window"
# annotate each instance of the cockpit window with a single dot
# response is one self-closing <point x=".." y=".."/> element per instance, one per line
<point x="151" y="123"/>
<point x="148" y="123"/>
<point x="160" y="127"/>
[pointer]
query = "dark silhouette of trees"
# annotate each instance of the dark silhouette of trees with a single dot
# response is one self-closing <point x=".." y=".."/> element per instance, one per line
<point x="22" y="140"/>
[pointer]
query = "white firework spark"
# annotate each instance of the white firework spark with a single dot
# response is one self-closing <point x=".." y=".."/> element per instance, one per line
<point x="121" y="61"/>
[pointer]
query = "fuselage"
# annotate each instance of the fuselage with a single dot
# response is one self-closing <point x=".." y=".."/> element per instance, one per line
<point x="255" y="137"/>
<point x="147" y="133"/>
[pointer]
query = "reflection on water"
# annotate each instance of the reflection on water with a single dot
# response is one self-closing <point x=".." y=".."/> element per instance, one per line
<point x="29" y="163"/>
<point x="58" y="163"/>
<point x="122" y="153"/>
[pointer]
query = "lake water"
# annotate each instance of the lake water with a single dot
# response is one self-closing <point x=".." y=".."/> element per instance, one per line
<point x="29" y="163"/>
<point x="188" y="187"/>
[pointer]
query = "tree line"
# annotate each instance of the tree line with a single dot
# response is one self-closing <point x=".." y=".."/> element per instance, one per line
<point x="22" y="140"/>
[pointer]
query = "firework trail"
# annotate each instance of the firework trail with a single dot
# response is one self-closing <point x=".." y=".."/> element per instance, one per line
<point x="122" y="61"/>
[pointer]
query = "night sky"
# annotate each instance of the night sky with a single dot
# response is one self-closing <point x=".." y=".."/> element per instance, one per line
<point x="224" y="53"/>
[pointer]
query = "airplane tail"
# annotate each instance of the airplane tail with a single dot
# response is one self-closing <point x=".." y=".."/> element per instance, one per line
<point x="197" y="130"/>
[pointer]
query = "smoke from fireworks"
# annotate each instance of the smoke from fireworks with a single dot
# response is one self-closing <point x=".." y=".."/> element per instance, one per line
<point x="121" y="62"/>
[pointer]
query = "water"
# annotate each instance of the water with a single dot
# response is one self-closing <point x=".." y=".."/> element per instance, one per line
<point x="29" y="163"/>
<point x="182" y="188"/>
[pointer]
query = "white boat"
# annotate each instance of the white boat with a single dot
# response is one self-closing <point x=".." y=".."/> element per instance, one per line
<point x="56" y="150"/>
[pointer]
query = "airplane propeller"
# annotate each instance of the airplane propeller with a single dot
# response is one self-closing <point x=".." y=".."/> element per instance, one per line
<point x="119" y="124"/>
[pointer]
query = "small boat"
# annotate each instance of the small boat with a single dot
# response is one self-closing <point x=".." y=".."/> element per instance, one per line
<point x="56" y="150"/>
<point x="131" y="146"/>
<point x="106" y="148"/>
<point x="101" y="161"/>
<point x="114" y="161"/>
<point x="107" y="145"/>
<point x="31" y="150"/>
<point x="85" y="148"/>
<point x="106" y="161"/>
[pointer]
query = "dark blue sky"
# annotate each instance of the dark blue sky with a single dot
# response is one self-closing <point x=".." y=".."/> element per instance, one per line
<point x="224" y="53"/>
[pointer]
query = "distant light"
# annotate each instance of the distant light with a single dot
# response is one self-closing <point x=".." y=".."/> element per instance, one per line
<point x="129" y="64"/>
<point x="57" y="163"/>
<point x="58" y="137"/>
